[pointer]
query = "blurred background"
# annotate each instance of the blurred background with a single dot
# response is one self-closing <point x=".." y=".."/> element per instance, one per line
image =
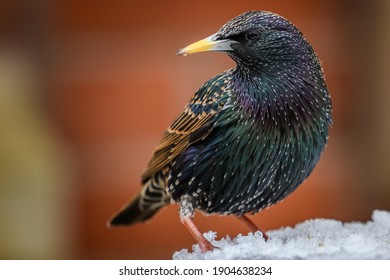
<point x="88" y="87"/>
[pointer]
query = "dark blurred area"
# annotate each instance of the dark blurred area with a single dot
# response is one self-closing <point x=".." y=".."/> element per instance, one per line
<point x="88" y="87"/>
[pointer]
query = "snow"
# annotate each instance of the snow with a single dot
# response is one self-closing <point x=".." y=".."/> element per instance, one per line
<point x="312" y="239"/>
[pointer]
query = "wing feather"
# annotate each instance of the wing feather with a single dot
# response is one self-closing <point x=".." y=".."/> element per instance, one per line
<point x="175" y="139"/>
<point x="193" y="124"/>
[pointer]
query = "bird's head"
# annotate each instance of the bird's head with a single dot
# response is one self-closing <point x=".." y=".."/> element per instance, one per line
<point x="257" y="40"/>
<point x="278" y="74"/>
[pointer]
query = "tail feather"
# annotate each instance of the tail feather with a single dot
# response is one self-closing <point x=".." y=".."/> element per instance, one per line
<point x="132" y="213"/>
<point x="146" y="204"/>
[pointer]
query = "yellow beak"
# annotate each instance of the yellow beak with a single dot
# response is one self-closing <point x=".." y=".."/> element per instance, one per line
<point x="211" y="43"/>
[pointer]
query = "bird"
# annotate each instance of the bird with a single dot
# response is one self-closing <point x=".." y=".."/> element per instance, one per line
<point x="248" y="137"/>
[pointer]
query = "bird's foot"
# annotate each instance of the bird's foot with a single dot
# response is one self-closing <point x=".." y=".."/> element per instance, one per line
<point x="252" y="226"/>
<point x="206" y="246"/>
<point x="203" y="243"/>
<point x="265" y="236"/>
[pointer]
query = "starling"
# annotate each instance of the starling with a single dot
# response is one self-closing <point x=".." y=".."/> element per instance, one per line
<point x="249" y="136"/>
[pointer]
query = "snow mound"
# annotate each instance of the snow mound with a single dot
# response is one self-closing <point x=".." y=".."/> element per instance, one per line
<point x="312" y="239"/>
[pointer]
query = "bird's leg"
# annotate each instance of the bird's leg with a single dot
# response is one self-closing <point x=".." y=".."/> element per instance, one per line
<point x="204" y="244"/>
<point x="252" y="226"/>
<point x="186" y="211"/>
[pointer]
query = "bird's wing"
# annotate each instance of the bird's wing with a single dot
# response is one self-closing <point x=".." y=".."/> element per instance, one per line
<point x="192" y="125"/>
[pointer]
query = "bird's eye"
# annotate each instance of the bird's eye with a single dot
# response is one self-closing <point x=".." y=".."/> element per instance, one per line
<point x="251" y="36"/>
